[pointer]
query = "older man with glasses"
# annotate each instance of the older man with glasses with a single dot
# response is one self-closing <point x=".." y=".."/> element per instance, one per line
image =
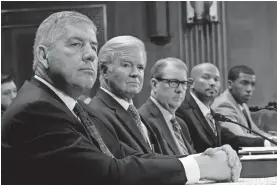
<point x="168" y="88"/>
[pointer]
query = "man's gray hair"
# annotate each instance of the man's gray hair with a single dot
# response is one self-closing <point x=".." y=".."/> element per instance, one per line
<point x="157" y="70"/>
<point x="52" y="28"/>
<point x="114" y="48"/>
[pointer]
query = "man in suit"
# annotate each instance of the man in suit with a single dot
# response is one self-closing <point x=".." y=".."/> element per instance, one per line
<point x="232" y="102"/>
<point x="122" y="61"/>
<point x="196" y="112"/>
<point x="48" y="138"/>
<point x="168" y="87"/>
<point x="8" y="91"/>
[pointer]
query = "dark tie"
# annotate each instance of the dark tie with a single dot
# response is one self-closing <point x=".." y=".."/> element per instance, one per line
<point x="135" y="115"/>
<point x="177" y="132"/>
<point x="210" y="120"/>
<point x="247" y="119"/>
<point x="83" y="116"/>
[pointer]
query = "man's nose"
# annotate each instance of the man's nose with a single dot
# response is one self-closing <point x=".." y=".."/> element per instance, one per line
<point x="134" y="72"/>
<point x="249" y="88"/>
<point x="179" y="88"/>
<point x="90" y="54"/>
<point x="13" y="95"/>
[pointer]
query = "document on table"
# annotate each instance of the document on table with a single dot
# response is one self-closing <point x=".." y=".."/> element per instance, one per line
<point x="257" y="150"/>
<point x="245" y="181"/>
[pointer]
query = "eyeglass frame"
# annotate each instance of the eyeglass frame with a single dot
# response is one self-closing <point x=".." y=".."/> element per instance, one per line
<point x="185" y="84"/>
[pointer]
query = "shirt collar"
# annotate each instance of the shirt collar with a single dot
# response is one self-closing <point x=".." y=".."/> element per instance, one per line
<point x="166" y="114"/>
<point x="204" y="109"/>
<point x="69" y="102"/>
<point x="121" y="101"/>
<point x="240" y="107"/>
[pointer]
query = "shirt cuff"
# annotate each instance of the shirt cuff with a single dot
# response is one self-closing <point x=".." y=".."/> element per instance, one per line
<point x="191" y="168"/>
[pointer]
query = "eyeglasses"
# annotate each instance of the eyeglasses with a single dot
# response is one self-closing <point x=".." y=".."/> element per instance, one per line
<point x="173" y="83"/>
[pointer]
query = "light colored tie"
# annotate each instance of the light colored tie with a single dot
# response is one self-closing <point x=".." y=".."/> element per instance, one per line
<point x="247" y="119"/>
<point x="135" y="115"/>
<point x="177" y="132"/>
<point x="210" y="120"/>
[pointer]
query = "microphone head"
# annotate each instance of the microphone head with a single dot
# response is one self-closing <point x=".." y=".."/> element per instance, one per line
<point x="220" y="117"/>
<point x="254" y="108"/>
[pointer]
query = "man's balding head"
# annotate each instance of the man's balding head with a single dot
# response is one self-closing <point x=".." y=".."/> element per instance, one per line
<point x="206" y="81"/>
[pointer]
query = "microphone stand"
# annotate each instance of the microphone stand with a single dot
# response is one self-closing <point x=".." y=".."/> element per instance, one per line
<point x="223" y="118"/>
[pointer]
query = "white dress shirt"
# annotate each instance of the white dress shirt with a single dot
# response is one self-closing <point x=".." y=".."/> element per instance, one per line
<point x="189" y="163"/>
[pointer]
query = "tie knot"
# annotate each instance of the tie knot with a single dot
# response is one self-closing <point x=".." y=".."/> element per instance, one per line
<point x="78" y="110"/>
<point x="133" y="111"/>
<point x="175" y="123"/>
<point x="209" y="116"/>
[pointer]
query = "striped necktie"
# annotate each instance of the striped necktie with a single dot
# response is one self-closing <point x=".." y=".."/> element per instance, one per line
<point x="133" y="112"/>
<point x="210" y="121"/>
<point x="177" y="132"/>
<point x="87" y="122"/>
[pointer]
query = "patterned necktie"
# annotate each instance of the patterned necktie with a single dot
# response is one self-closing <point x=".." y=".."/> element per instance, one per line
<point x="83" y="116"/>
<point x="135" y="115"/>
<point x="177" y="132"/>
<point x="210" y="120"/>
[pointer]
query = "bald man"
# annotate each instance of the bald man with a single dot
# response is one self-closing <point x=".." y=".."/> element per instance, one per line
<point x="196" y="112"/>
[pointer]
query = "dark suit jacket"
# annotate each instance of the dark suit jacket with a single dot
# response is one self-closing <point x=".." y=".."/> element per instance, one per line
<point x="153" y="116"/>
<point x="109" y="111"/>
<point x="201" y="133"/>
<point x="44" y="143"/>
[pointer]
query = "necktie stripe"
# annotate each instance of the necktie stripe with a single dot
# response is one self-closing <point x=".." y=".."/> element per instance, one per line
<point x="135" y="115"/>
<point x="177" y="132"/>
<point x="210" y="121"/>
<point x="83" y="116"/>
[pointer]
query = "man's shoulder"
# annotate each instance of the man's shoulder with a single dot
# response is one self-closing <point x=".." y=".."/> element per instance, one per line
<point x="224" y="99"/>
<point x="145" y="108"/>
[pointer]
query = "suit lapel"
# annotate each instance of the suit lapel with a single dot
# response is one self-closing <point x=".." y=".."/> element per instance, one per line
<point x="127" y="121"/>
<point x="236" y="106"/>
<point x="166" y="134"/>
<point x="198" y="114"/>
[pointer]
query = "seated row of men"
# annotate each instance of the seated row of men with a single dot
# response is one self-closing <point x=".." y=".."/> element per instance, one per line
<point x="48" y="137"/>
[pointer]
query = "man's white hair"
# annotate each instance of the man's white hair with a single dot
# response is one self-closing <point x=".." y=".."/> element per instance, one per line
<point x="112" y="50"/>
<point x="52" y="28"/>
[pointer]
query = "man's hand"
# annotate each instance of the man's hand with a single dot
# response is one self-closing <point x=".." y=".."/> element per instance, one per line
<point x="224" y="164"/>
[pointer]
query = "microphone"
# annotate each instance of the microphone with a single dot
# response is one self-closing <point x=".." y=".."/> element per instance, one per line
<point x="254" y="109"/>
<point x="220" y="117"/>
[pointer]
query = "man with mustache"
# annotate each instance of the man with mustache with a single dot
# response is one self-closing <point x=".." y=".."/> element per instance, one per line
<point x="232" y="102"/>
<point x="168" y="88"/>
<point x="48" y="138"/>
<point x="196" y="112"/>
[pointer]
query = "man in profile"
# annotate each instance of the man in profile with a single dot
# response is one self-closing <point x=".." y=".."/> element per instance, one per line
<point x="48" y="138"/>
<point x="232" y="102"/>
<point x="168" y="88"/>
<point x="8" y="91"/>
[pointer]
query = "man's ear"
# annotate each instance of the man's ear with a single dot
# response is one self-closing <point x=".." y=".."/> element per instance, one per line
<point x="191" y="81"/>
<point x="230" y="84"/>
<point x="42" y="55"/>
<point x="153" y="84"/>
<point x="103" y="70"/>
